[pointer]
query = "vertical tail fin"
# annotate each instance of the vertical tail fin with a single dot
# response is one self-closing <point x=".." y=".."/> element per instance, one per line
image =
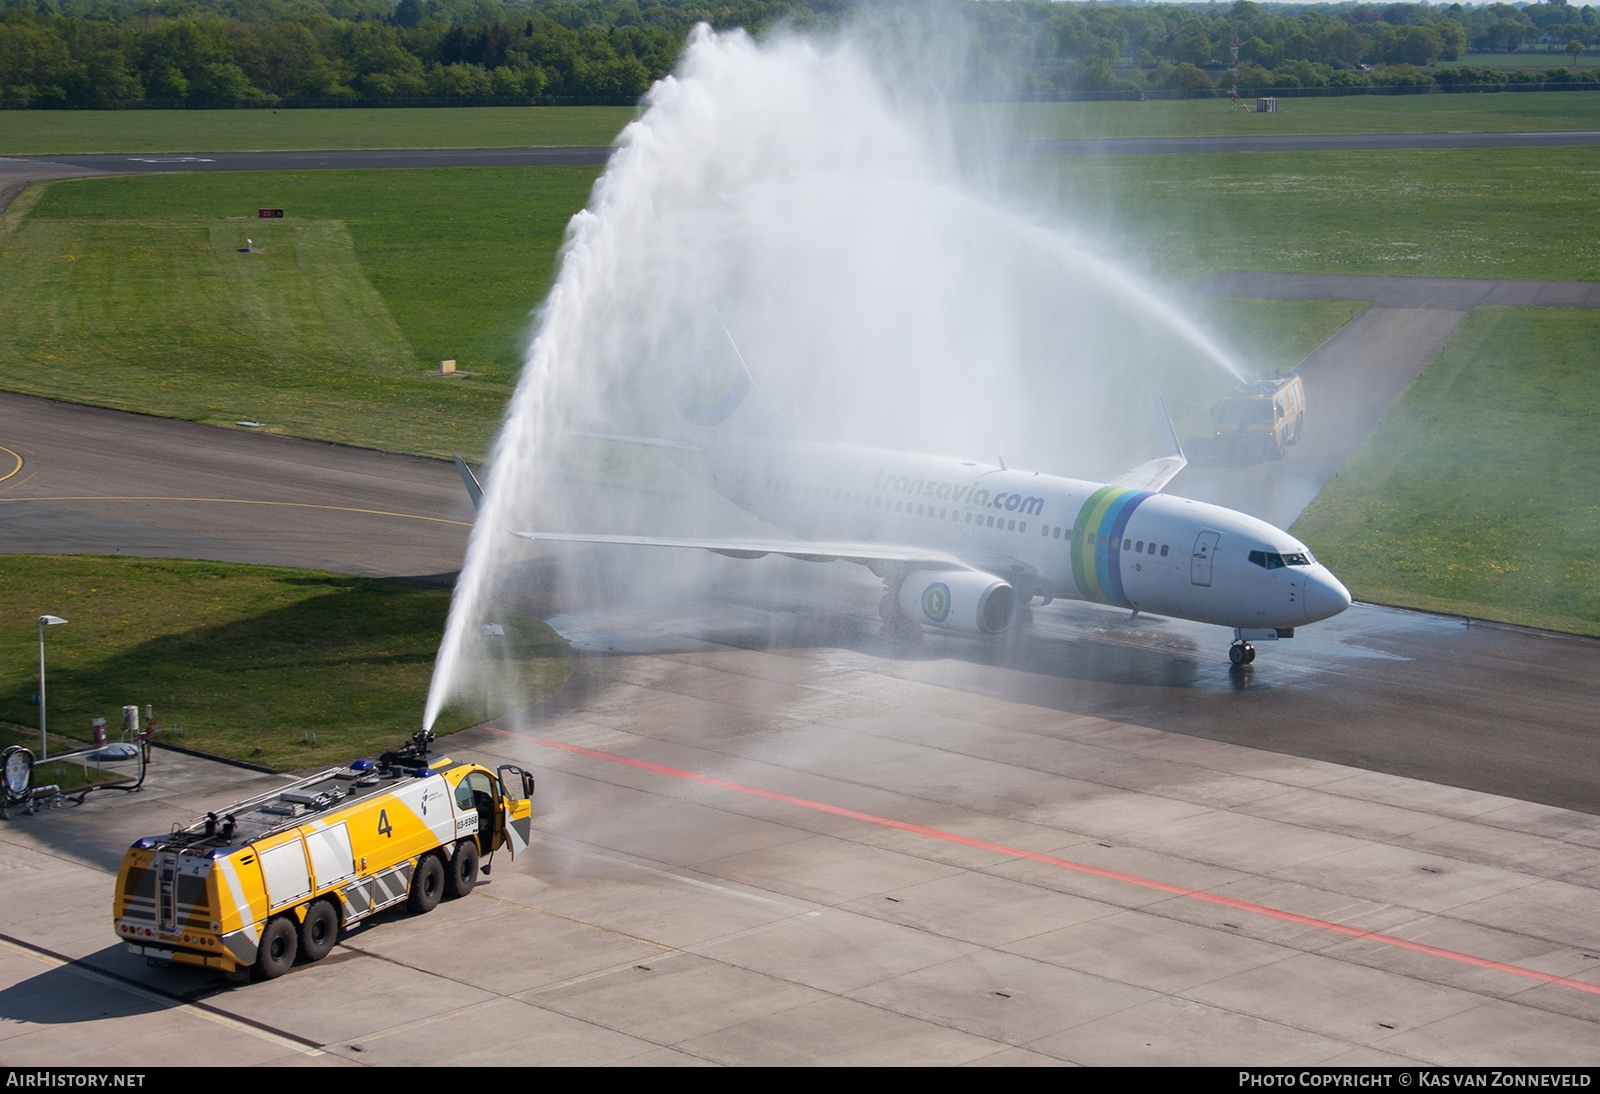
<point x="733" y="404"/>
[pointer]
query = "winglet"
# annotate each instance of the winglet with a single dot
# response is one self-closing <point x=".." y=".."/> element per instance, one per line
<point x="470" y="481"/>
<point x="1166" y="435"/>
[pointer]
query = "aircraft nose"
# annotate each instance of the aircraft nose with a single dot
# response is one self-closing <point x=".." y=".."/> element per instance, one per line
<point x="1326" y="595"/>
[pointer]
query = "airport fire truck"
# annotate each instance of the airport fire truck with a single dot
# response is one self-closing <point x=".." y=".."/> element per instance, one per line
<point x="256" y="884"/>
<point x="1263" y="416"/>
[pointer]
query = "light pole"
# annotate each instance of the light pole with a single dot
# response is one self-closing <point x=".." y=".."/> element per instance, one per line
<point x="44" y="621"/>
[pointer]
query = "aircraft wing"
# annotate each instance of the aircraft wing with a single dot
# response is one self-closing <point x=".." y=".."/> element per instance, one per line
<point x="804" y="550"/>
<point x="1156" y="473"/>
<point x="644" y="442"/>
<point x="807" y="551"/>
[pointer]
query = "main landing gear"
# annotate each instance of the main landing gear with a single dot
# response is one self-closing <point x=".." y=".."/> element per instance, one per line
<point x="1241" y="653"/>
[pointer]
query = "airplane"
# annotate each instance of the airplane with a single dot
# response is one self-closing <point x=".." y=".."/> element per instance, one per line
<point x="967" y="547"/>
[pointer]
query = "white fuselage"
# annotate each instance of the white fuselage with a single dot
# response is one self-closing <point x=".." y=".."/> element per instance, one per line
<point x="1048" y="537"/>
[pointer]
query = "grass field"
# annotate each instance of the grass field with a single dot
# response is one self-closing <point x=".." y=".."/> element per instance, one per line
<point x="1501" y="213"/>
<point x="84" y="132"/>
<point x="131" y="292"/>
<point x="41" y="132"/>
<point x="250" y="660"/>
<point x="1479" y="492"/>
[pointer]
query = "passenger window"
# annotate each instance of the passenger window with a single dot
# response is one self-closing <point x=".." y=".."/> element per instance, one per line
<point x="1163" y="550"/>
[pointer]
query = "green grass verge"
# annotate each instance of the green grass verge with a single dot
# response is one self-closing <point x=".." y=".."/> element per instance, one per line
<point x="1506" y="112"/>
<point x="131" y="293"/>
<point x="1499" y="213"/>
<point x="249" y="660"/>
<point x="1479" y="492"/>
<point x="86" y="132"/>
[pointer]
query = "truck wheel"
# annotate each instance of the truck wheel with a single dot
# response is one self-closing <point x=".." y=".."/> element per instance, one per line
<point x="276" y="951"/>
<point x="319" y="931"/>
<point x="427" y="884"/>
<point x="463" y="872"/>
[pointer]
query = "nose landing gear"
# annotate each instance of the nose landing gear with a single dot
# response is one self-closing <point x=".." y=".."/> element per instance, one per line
<point x="1241" y="653"/>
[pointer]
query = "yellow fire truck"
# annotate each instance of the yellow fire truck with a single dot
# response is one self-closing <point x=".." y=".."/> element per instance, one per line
<point x="270" y="878"/>
<point x="1263" y="416"/>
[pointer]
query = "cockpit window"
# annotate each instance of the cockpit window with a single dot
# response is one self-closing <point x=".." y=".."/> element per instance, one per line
<point x="1272" y="560"/>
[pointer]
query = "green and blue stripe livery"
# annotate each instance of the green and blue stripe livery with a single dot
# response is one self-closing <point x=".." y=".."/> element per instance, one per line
<point x="1097" y="543"/>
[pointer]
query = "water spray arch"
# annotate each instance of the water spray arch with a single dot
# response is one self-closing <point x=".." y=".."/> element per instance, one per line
<point x="780" y="192"/>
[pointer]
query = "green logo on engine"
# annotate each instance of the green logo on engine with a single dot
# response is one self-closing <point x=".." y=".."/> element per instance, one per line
<point x="936" y="602"/>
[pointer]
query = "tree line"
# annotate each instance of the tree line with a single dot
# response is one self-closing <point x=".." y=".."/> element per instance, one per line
<point x="61" y="52"/>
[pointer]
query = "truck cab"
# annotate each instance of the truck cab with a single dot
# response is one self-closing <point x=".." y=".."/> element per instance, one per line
<point x="1261" y="417"/>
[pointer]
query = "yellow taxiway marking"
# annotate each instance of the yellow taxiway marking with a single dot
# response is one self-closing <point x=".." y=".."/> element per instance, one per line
<point x="15" y="469"/>
<point x="249" y="501"/>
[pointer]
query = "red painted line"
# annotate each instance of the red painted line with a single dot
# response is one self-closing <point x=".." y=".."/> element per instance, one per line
<point x="1066" y="864"/>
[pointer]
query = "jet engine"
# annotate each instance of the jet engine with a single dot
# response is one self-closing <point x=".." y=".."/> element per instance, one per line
<point x="958" y="600"/>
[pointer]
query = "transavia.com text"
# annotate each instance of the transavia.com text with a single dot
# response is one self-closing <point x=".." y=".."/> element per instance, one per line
<point x="1424" y="1078"/>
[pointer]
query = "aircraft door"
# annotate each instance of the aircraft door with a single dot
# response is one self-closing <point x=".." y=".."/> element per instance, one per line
<point x="969" y="518"/>
<point x="476" y="792"/>
<point x="1205" y="547"/>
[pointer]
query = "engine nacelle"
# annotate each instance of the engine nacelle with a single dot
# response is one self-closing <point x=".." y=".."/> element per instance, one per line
<point x="958" y="600"/>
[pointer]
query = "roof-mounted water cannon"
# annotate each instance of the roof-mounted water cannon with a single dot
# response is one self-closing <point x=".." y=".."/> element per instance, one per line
<point x="410" y="756"/>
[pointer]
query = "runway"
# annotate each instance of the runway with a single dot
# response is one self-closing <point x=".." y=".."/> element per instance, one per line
<point x="364" y="159"/>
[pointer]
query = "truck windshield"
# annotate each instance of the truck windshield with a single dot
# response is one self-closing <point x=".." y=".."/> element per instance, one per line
<point x="1244" y="411"/>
